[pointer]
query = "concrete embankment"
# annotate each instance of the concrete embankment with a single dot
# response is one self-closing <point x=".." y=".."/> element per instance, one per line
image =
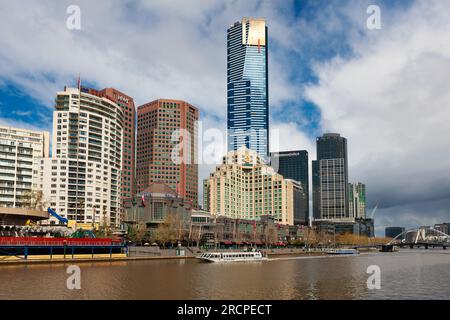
<point x="154" y="253"/>
<point x="134" y="254"/>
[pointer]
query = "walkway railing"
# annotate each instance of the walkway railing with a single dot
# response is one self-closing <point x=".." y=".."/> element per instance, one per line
<point x="29" y="241"/>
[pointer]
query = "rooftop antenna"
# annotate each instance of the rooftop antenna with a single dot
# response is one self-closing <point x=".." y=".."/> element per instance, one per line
<point x="79" y="82"/>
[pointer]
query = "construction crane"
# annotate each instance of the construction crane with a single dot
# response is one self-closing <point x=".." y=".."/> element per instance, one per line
<point x="373" y="211"/>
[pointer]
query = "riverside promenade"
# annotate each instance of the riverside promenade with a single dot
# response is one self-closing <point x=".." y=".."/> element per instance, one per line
<point x="135" y="253"/>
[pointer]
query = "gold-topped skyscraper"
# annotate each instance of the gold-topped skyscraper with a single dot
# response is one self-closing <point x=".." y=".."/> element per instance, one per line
<point x="247" y="86"/>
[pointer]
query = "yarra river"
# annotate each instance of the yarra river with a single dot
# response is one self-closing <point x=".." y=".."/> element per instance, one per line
<point x="408" y="274"/>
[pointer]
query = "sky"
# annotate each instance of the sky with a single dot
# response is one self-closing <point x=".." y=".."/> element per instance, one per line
<point x="385" y="90"/>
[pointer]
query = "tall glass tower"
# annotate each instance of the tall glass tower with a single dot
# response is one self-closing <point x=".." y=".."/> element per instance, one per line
<point x="247" y="86"/>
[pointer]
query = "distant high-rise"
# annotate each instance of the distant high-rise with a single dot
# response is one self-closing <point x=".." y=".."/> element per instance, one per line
<point x="443" y="227"/>
<point x="357" y="200"/>
<point x="128" y="159"/>
<point x="20" y="150"/>
<point x="294" y="165"/>
<point x="168" y="129"/>
<point x="330" y="178"/>
<point x="247" y="86"/>
<point x="392" y="232"/>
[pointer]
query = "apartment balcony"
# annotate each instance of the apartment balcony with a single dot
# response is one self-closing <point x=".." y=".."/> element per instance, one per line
<point x="4" y="177"/>
<point x="7" y="164"/>
<point x="8" y="171"/>
<point x="7" y="199"/>
<point x="7" y="156"/>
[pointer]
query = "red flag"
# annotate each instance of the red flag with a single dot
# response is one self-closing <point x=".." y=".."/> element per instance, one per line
<point x="254" y="224"/>
<point x="143" y="200"/>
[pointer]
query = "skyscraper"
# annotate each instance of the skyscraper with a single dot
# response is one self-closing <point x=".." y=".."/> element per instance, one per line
<point x="20" y="149"/>
<point x="168" y="129"/>
<point x="247" y="86"/>
<point x="129" y="137"/>
<point x="357" y="200"/>
<point x="82" y="180"/>
<point x="294" y="165"/>
<point x="330" y="178"/>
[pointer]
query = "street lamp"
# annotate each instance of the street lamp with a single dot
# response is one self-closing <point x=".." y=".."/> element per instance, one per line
<point x="133" y="203"/>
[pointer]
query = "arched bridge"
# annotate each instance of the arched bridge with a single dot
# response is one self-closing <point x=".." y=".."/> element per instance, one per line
<point x="422" y="237"/>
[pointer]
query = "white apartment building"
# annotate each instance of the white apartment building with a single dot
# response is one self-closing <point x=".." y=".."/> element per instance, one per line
<point x="19" y="151"/>
<point x="82" y="179"/>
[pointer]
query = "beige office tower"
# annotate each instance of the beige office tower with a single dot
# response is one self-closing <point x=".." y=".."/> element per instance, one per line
<point x="82" y="180"/>
<point x="243" y="187"/>
<point x="20" y="149"/>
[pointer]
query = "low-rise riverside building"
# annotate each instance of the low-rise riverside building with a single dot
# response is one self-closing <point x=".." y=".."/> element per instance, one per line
<point x="358" y="226"/>
<point x="155" y="206"/>
<point x="211" y="230"/>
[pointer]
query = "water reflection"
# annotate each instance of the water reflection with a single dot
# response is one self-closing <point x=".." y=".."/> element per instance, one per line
<point x="412" y="274"/>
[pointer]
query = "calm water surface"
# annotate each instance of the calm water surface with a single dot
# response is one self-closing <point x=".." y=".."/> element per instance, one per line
<point x="409" y="274"/>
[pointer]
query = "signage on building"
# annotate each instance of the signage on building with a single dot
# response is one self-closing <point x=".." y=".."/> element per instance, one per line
<point x="123" y="99"/>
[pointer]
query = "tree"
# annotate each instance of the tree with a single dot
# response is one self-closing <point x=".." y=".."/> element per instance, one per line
<point x="138" y="232"/>
<point x="171" y="230"/>
<point x="34" y="200"/>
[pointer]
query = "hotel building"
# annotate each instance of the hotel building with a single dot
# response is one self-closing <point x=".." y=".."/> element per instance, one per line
<point x="167" y="147"/>
<point x="247" y="86"/>
<point x="244" y="187"/>
<point x="20" y="150"/>
<point x="82" y="181"/>
<point x="129" y="136"/>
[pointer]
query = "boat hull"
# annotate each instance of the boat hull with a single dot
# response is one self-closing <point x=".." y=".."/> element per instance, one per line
<point x="343" y="252"/>
<point x="231" y="257"/>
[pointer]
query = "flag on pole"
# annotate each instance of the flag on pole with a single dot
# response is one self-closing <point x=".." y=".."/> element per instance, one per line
<point x="143" y="200"/>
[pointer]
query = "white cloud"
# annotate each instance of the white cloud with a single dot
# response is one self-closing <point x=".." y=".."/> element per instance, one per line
<point x="148" y="49"/>
<point x="392" y="101"/>
<point x="19" y="124"/>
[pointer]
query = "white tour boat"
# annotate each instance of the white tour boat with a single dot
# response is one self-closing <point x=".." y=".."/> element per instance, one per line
<point x="232" y="256"/>
<point x="342" y="251"/>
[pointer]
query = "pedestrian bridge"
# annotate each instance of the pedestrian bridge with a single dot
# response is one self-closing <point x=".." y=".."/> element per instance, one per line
<point x="423" y="236"/>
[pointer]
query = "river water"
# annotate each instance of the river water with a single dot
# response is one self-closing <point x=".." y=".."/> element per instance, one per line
<point x="409" y="274"/>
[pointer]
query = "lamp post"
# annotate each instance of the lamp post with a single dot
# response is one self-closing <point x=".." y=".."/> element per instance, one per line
<point x="133" y="203"/>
